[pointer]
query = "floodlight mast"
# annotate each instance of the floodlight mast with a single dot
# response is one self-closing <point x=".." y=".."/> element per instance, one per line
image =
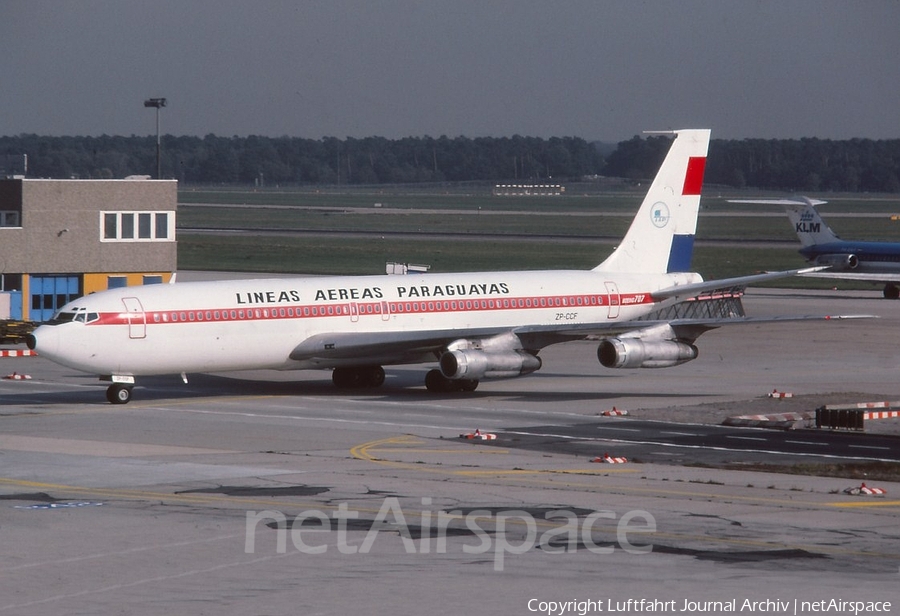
<point x="158" y="103"/>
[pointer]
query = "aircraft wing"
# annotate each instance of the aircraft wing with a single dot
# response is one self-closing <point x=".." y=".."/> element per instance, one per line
<point x="354" y="348"/>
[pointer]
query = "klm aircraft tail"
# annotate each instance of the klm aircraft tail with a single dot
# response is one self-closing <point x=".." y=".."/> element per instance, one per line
<point x="808" y="224"/>
<point x="661" y="237"/>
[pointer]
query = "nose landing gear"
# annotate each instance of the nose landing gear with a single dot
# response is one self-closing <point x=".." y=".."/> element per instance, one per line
<point x="120" y="390"/>
<point x="118" y="393"/>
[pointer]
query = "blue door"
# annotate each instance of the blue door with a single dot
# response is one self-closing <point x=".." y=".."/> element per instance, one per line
<point x="15" y="305"/>
<point x="49" y="293"/>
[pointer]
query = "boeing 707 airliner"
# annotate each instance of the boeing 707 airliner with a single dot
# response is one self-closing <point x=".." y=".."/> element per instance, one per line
<point x="473" y="325"/>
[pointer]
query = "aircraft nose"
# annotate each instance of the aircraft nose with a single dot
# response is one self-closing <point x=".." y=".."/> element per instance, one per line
<point x="44" y="340"/>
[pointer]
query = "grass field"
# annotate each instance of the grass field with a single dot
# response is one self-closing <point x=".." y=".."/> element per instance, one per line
<point x="592" y="222"/>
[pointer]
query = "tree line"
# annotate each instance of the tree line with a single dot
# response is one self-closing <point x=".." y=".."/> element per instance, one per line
<point x="798" y="165"/>
<point x="810" y="165"/>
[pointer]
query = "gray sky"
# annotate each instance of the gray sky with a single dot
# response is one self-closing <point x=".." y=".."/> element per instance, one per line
<point x="597" y="69"/>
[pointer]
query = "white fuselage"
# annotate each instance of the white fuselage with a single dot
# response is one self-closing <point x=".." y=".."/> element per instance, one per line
<point x="259" y="323"/>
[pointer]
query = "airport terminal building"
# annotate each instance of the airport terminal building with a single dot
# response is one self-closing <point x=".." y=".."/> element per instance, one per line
<point x="61" y="239"/>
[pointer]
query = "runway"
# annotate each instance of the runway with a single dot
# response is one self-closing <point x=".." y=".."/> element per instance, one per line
<point x="276" y="494"/>
<point x="713" y="445"/>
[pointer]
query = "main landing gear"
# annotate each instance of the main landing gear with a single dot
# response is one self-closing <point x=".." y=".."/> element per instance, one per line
<point x="118" y="393"/>
<point x="367" y="377"/>
<point x="436" y="381"/>
<point x="358" y="377"/>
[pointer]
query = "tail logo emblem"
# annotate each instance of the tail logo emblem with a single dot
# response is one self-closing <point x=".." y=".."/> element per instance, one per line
<point x="659" y="214"/>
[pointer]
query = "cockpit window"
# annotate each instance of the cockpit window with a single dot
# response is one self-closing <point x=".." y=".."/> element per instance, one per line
<point x="77" y="315"/>
<point x="62" y="317"/>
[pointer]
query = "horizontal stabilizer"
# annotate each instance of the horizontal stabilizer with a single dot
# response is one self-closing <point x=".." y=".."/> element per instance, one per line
<point x="691" y="290"/>
<point x="863" y="276"/>
<point x="786" y="201"/>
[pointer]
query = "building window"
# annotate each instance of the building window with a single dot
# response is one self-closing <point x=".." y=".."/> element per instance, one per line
<point x="9" y="218"/>
<point x="127" y="226"/>
<point x="162" y="225"/>
<point x="144" y="226"/>
<point x="11" y="282"/>
<point x="110" y="226"/>
<point x="137" y="226"/>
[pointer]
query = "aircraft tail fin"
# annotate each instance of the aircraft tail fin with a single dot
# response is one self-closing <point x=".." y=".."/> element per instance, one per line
<point x="808" y="224"/>
<point x="661" y="236"/>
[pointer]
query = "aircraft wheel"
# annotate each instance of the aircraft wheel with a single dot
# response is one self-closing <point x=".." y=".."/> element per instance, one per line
<point x="437" y="382"/>
<point x="345" y="378"/>
<point x="468" y="384"/>
<point x="118" y="394"/>
<point x="374" y="376"/>
<point x="356" y="378"/>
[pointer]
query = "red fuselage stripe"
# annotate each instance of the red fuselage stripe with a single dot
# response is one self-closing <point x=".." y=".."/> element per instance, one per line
<point x="358" y="309"/>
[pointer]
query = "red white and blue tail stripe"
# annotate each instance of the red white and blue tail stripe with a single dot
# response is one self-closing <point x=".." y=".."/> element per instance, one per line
<point x="661" y="238"/>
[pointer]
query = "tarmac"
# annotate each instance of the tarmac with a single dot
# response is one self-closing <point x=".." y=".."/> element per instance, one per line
<point x="276" y="494"/>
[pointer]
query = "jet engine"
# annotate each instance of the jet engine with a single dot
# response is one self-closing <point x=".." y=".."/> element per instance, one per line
<point x="838" y="261"/>
<point x="476" y="364"/>
<point x="498" y="357"/>
<point x="638" y="353"/>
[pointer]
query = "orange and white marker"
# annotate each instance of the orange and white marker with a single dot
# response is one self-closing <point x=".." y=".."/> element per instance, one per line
<point x="15" y="376"/>
<point x="864" y="489"/>
<point x="17" y="353"/>
<point x="780" y="394"/>
<point x="478" y="434"/>
<point x="608" y="459"/>
<point x="614" y="412"/>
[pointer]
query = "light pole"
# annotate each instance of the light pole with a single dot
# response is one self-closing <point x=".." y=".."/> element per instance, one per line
<point x="158" y="103"/>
